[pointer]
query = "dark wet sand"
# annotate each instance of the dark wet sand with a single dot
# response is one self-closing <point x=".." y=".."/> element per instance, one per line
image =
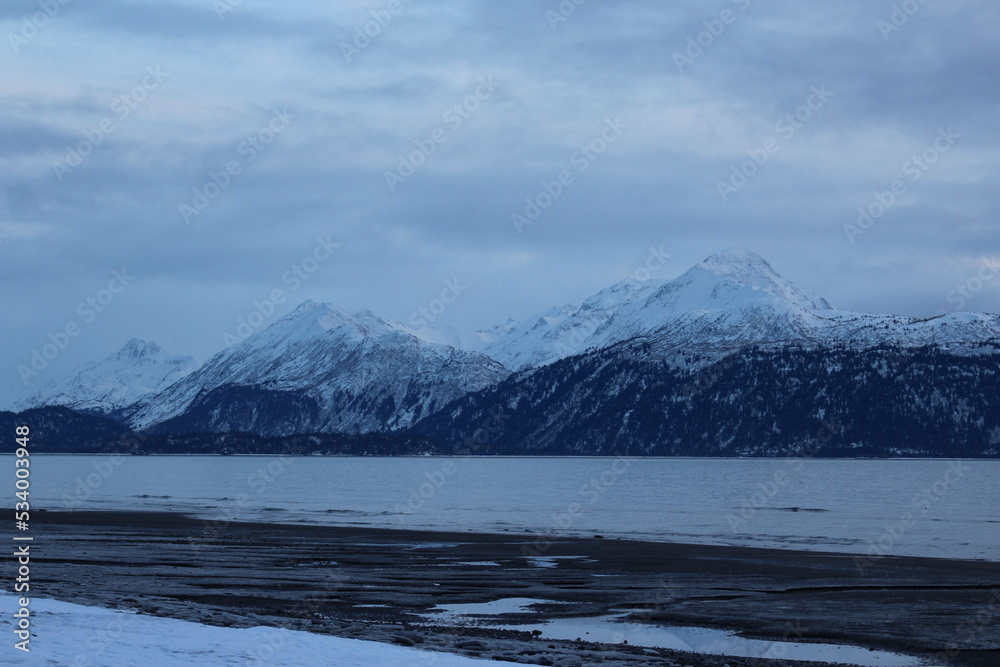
<point x="314" y="578"/>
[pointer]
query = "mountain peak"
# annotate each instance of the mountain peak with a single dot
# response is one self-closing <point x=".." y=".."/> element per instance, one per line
<point x="339" y="365"/>
<point x="319" y="318"/>
<point x="137" y="348"/>
<point x="624" y="291"/>
<point x="736" y="262"/>
<point x="305" y="307"/>
<point x="314" y="311"/>
<point x="328" y="316"/>
<point x="138" y="369"/>
<point x="748" y="269"/>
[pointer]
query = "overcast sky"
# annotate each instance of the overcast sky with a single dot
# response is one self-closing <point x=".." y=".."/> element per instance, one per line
<point x="204" y="149"/>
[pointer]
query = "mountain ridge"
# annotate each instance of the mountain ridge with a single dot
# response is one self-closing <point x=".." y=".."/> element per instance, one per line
<point x="726" y="302"/>
<point x="320" y="369"/>
<point x="352" y="367"/>
<point x="139" y="368"/>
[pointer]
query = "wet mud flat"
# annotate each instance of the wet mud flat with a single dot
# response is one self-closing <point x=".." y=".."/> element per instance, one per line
<point x="389" y="585"/>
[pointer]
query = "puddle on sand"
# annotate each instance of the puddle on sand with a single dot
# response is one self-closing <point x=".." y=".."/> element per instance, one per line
<point x="612" y="630"/>
<point x="551" y="561"/>
<point x="472" y="613"/>
<point x="473" y="563"/>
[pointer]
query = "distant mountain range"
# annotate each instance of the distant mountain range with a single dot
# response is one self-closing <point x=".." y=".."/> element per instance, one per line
<point x="318" y="369"/>
<point x="727" y="359"/>
<point x="102" y="387"/>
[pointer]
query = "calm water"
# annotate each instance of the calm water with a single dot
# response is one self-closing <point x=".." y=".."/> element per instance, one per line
<point x="936" y="508"/>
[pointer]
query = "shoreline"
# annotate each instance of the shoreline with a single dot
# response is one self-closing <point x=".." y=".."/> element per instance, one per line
<point x="246" y="573"/>
<point x="266" y="518"/>
<point x="128" y="452"/>
<point x="508" y="535"/>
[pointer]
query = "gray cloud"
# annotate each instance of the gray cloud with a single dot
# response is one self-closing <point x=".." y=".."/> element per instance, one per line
<point x="687" y="128"/>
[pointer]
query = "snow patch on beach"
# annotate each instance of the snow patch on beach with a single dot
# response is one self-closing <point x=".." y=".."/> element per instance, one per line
<point x="76" y="636"/>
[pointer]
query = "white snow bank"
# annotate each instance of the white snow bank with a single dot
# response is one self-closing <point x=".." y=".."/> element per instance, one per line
<point x="77" y="636"/>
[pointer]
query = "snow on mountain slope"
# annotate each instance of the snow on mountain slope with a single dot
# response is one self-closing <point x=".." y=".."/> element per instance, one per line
<point x="562" y="332"/>
<point x="463" y="339"/>
<point x="363" y="372"/>
<point x="320" y="369"/>
<point x="735" y="299"/>
<point x="746" y="269"/>
<point x="138" y="369"/>
<point x="729" y="301"/>
<point x="451" y="335"/>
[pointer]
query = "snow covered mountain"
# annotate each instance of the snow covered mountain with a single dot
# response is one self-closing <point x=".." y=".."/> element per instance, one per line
<point x="881" y="401"/>
<point x="319" y="369"/>
<point x="138" y="369"/>
<point x="730" y="301"/>
<point x="727" y="358"/>
<point x="566" y="330"/>
<point x="463" y="339"/>
<point x="731" y="359"/>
